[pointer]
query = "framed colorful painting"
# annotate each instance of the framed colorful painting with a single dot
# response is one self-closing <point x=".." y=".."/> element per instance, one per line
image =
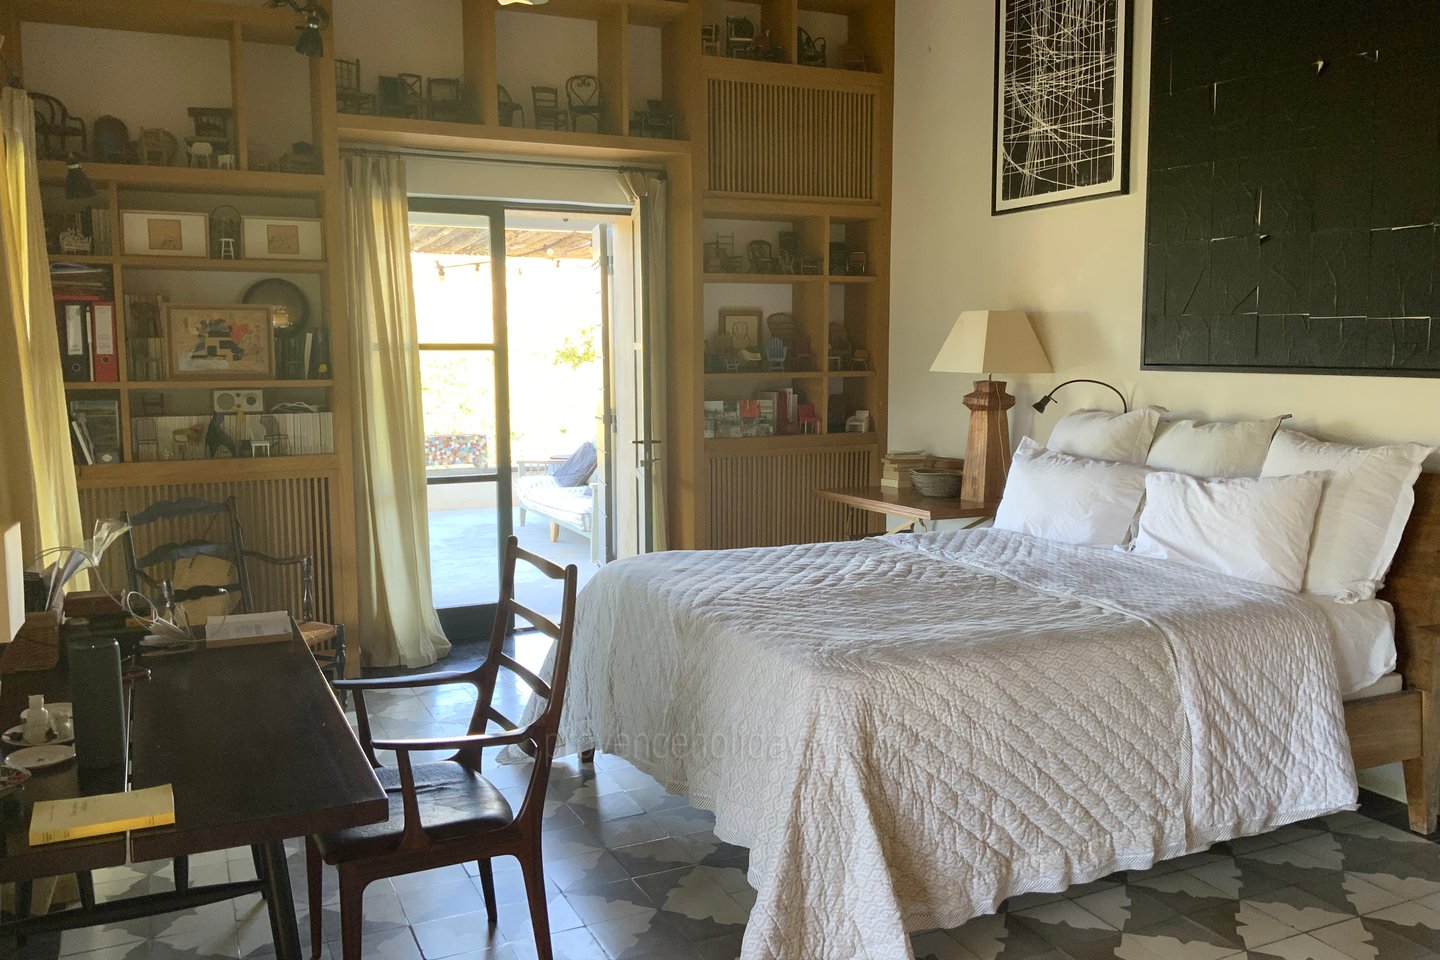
<point x="230" y="342"/>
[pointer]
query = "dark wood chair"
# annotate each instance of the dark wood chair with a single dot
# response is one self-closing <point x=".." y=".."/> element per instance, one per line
<point x="548" y="115"/>
<point x="447" y="812"/>
<point x="58" y="133"/>
<point x="203" y="537"/>
<point x="400" y="95"/>
<point x="809" y="51"/>
<point x="507" y="108"/>
<point x="582" y="95"/>
<point x="444" y="99"/>
<point x="740" y="38"/>
<point x="348" y="96"/>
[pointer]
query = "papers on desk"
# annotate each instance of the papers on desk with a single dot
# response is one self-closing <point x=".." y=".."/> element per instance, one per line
<point x="239" y="629"/>
<point x="54" y="820"/>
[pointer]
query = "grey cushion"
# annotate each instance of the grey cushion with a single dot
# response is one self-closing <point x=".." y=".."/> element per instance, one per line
<point x="576" y="471"/>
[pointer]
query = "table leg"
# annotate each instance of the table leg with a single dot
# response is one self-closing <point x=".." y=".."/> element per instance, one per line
<point x="280" y="901"/>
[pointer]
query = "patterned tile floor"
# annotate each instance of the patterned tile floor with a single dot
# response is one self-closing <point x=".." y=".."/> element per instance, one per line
<point x="633" y="872"/>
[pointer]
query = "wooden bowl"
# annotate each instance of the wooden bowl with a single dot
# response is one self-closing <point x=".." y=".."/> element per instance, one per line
<point x="935" y="483"/>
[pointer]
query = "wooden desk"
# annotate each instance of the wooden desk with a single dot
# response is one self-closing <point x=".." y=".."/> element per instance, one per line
<point x="905" y="502"/>
<point x="257" y="750"/>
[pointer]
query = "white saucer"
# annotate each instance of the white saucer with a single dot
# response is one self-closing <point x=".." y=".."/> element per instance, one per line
<point x="38" y="758"/>
<point x="15" y="737"/>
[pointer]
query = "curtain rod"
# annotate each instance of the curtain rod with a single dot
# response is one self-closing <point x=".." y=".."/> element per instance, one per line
<point x="404" y="153"/>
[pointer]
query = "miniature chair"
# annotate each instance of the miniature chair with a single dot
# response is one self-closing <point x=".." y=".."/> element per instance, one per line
<point x="656" y="120"/>
<point x="775" y="353"/>
<point x="110" y="140"/>
<point x="348" y="97"/>
<point x="710" y="39"/>
<point x="762" y="257"/>
<point x="146" y="438"/>
<point x="739" y="38"/>
<point x="447" y="812"/>
<point x="274" y="436"/>
<point x="809" y="51"/>
<point x="443" y="99"/>
<point x="200" y="154"/>
<point x="399" y="96"/>
<point x="197" y="564"/>
<point x="508" y="108"/>
<point x="582" y="94"/>
<point x="548" y="115"/>
<point x="215" y="126"/>
<point x="55" y="128"/>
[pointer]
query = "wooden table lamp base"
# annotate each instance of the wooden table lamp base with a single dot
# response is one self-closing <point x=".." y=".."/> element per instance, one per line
<point x="987" y="452"/>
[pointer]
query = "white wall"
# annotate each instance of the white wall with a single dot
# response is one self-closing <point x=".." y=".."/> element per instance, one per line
<point x="419" y="36"/>
<point x="1076" y="268"/>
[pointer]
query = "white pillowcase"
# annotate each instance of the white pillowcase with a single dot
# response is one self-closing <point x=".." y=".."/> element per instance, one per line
<point x="1363" y="510"/>
<point x="1212" y="449"/>
<point x="1249" y="527"/>
<point x="1070" y="499"/>
<point x="1123" y="437"/>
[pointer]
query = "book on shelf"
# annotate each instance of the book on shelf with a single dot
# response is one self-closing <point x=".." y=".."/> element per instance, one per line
<point x="52" y="821"/>
<point x="144" y="336"/>
<point x="72" y="325"/>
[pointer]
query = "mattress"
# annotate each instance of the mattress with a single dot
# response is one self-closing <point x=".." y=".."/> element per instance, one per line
<point x="1362" y="639"/>
<point x="1390" y="683"/>
<point x="907" y="730"/>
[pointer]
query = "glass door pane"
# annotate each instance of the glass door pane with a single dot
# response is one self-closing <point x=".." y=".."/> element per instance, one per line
<point x="458" y="284"/>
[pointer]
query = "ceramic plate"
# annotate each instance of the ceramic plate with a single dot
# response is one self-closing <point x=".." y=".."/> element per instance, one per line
<point x="11" y="779"/>
<point x="38" y="758"/>
<point x="15" y="737"/>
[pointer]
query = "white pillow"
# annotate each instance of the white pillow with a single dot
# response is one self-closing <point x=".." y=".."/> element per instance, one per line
<point x="1070" y="499"/>
<point x="1367" y="500"/>
<point x="1123" y="437"/>
<point x="1212" y="449"/>
<point x="1249" y="527"/>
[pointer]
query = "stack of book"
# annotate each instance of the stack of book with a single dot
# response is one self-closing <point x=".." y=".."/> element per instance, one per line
<point x="739" y="418"/>
<point x="896" y="465"/>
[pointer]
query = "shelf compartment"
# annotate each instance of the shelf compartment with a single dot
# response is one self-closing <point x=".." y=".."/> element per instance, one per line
<point x="192" y="179"/>
<point x="750" y="375"/>
<point x="137" y="262"/>
<point x="762" y="278"/>
<point x="446" y="135"/>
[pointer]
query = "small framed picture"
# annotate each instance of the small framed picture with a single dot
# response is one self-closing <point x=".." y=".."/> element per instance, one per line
<point x="281" y="238"/>
<point x="742" y="326"/>
<point x="152" y="233"/>
<point x="219" y="343"/>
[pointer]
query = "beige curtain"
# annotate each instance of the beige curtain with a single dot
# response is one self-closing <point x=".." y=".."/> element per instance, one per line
<point x="647" y="191"/>
<point x="398" y="621"/>
<point x="37" y="473"/>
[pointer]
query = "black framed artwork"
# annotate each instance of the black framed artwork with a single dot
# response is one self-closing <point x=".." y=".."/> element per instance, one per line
<point x="1062" y="102"/>
<point x="1293" y="201"/>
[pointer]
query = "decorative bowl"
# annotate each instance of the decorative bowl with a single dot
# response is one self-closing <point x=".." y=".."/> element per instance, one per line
<point x="935" y="483"/>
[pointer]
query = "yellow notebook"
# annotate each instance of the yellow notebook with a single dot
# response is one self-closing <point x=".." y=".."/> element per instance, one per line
<point x="54" y="820"/>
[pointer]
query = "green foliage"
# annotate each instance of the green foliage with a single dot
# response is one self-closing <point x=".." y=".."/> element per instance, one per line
<point x="577" y="351"/>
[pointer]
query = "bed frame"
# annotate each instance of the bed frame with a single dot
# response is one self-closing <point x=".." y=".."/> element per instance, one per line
<point x="1405" y="726"/>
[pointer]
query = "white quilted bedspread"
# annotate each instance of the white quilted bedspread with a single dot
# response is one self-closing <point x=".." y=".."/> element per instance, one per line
<point x="906" y="731"/>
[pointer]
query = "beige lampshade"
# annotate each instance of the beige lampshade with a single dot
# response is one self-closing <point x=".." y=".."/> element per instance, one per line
<point x="12" y="583"/>
<point x="991" y="341"/>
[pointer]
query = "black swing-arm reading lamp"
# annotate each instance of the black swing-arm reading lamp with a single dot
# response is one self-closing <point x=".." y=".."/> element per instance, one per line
<point x="1046" y="400"/>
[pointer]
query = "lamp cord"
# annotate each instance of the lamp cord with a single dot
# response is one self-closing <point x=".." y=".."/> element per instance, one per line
<point x="1124" y="406"/>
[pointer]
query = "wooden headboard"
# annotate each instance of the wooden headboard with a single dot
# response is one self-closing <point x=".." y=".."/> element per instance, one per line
<point x="1413" y="585"/>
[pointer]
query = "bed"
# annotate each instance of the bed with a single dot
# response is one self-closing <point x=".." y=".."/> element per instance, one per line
<point x="894" y="765"/>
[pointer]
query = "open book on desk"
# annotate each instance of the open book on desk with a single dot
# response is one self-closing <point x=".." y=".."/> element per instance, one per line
<point x="239" y="629"/>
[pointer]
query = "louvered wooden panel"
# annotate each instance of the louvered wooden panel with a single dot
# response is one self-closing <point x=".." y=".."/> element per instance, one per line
<point x="791" y="141"/>
<point x="768" y="498"/>
<point x="281" y="517"/>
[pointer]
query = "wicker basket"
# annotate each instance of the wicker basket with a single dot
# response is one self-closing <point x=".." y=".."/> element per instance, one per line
<point x="936" y="483"/>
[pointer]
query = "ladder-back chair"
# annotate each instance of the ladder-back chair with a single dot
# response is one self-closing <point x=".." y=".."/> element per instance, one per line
<point x="196" y="561"/>
<point x="447" y="812"/>
<point x="548" y="115"/>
